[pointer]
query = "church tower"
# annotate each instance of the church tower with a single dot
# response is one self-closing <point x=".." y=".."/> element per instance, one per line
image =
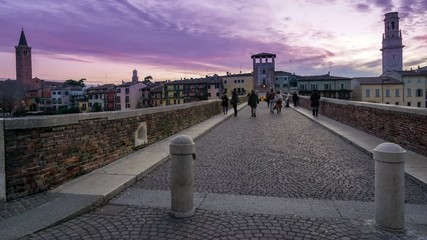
<point x="392" y="49"/>
<point x="135" y="76"/>
<point x="24" y="73"/>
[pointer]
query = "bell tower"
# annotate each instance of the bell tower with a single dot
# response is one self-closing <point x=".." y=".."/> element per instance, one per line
<point x="24" y="73"/>
<point x="392" y="48"/>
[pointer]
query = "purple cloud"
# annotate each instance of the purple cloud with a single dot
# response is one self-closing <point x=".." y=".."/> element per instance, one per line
<point x="362" y="7"/>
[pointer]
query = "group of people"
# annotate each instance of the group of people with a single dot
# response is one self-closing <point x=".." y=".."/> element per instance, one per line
<point x="274" y="101"/>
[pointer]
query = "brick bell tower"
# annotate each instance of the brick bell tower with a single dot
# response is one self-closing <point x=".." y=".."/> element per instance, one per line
<point x="24" y="73"/>
<point x="392" y="48"/>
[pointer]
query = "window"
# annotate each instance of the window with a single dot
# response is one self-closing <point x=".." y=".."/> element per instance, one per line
<point x="285" y="85"/>
<point x="397" y="103"/>
<point x="387" y="92"/>
<point x="263" y="71"/>
<point x="419" y="93"/>
<point x="409" y="92"/>
<point x="313" y="86"/>
<point x="119" y="90"/>
<point x="367" y="93"/>
<point x="409" y="80"/>
<point x="225" y="81"/>
<point x="243" y="81"/>
<point x="409" y="104"/>
<point x="418" y="104"/>
<point x="235" y="81"/>
<point x="377" y="93"/>
<point x="397" y="94"/>
<point x="209" y="86"/>
<point x="327" y="86"/>
<point x="209" y="94"/>
<point x="127" y="105"/>
<point x="127" y="91"/>
<point x="127" y="99"/>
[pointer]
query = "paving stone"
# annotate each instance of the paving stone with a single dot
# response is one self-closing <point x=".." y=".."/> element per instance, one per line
<point x="280" y="155"/>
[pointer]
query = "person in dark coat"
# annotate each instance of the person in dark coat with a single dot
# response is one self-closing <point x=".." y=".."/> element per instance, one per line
<point x="253" y="101"/>
<point x="295" y="99"/>
<point x="224" y="103"/>
<point x="234" y="100"/>
<point x="315" y="102"/>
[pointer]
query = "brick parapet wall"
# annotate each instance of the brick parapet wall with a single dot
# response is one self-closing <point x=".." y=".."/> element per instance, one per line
<point x="405" y="126"/>
<point x="46" y="151"/>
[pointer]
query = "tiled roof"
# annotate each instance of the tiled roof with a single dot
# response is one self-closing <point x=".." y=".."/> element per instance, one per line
<point x="238" y="75"/>
<point x="263" y="54"/>
<point x="321" y="78"/>
<point x="377" y="80"/>
<point x="196" y="81"/>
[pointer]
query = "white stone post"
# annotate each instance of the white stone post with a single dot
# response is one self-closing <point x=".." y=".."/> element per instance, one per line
<point x="390" y="186"/>
<point x="182" y="173"/>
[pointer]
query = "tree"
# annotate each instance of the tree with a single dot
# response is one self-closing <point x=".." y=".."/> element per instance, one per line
<point x="96" y="107"/>
<point x="79" y="83"/>
<point x="148" y="79"/>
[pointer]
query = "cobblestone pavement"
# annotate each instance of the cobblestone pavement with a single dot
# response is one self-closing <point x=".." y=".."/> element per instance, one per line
<point x="280" y="155"/>
<point x="129" y="222"/>
<point x="18" y="206"/>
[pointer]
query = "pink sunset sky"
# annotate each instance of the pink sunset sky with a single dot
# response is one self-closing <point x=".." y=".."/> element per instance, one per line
<point x="104" y="40"/>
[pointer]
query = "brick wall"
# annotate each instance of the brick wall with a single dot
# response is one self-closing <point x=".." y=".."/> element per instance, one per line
<point x="43" y="152"/>
<point x="405" y="126"/>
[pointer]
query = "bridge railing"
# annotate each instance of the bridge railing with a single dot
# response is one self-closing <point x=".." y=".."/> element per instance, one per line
<point x="405" y="126"/>
<point x="41" y="152"/>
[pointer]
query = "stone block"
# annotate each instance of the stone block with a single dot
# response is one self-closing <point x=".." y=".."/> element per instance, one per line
<point x="141" y="135"/>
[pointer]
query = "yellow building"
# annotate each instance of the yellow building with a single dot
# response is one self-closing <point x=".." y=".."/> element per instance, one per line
<point x="415" y="90"/>
<point x="379" y="90"/>
<point x="243" y="83"/>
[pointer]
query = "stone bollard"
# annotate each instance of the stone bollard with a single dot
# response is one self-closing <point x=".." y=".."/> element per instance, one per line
<point x="390" y="186"/>
<point x="182" y="157"/>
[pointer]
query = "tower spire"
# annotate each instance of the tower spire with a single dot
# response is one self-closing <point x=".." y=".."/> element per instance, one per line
<point x="22" y="39"/>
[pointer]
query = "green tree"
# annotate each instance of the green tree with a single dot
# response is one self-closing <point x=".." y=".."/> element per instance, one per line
<point x="148" y="79"/>
<point x="96" y="107"/>
<point x="79" y="83"/>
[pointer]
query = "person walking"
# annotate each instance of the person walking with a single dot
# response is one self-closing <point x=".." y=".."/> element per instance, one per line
<point x="315" y="102"/>
<point x="253" y="101"/>
<point x="271" y="100"/>
<point x="224" y="102"/>
<point x="234" y="100"/>
<point x="295" y="99"/>
<point x="278" y="100"/>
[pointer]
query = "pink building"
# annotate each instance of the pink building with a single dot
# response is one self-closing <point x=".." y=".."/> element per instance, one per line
<point x="128" y="95"/>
